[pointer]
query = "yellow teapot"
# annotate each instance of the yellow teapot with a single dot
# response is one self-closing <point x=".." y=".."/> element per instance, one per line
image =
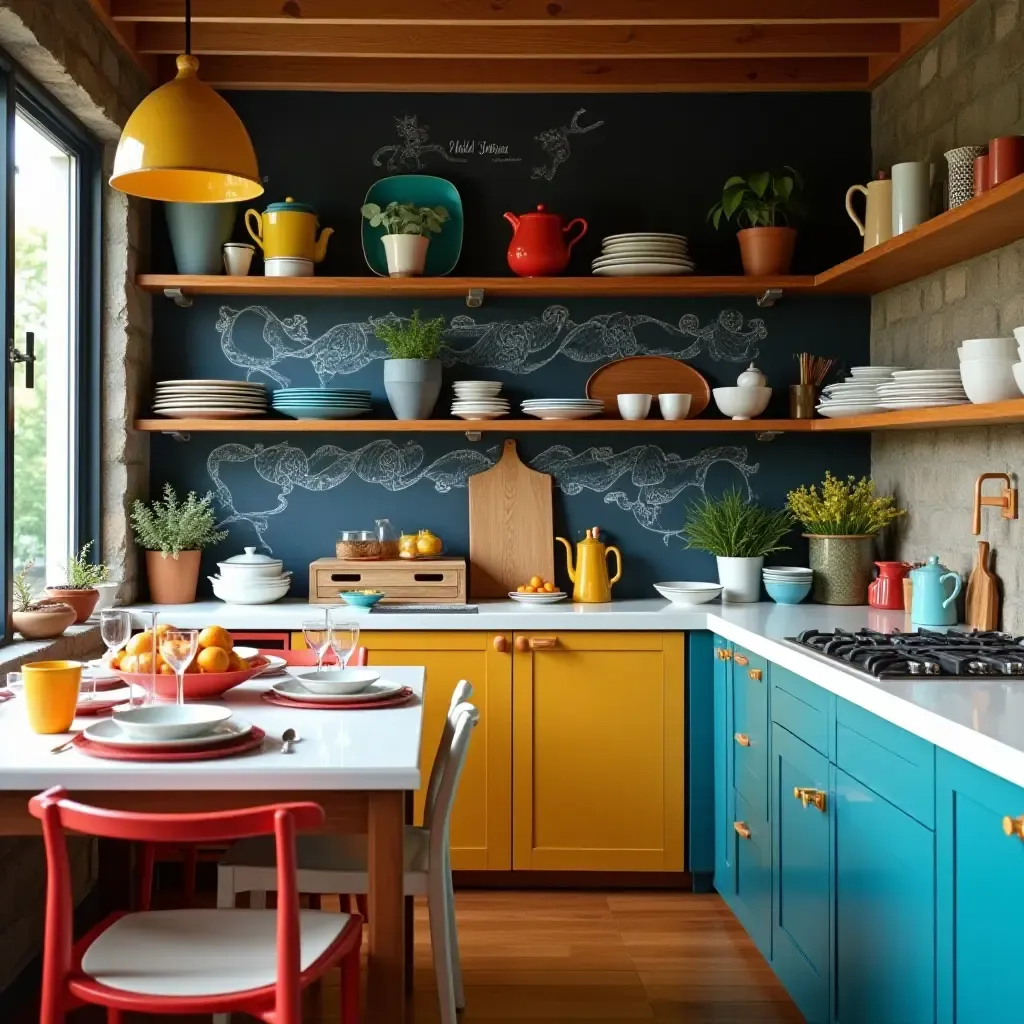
<point x="590" y="574"/>
<point x="288" y="229"/>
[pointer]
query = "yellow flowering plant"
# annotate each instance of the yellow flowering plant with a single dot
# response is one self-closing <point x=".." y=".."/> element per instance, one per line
<point x="847" y="507"/>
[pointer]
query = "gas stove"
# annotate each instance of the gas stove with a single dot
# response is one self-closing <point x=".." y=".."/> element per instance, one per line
<point x="923" y="653"/>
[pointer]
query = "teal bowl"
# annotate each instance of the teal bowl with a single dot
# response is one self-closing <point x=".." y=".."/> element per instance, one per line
<point x="357" y="600"/>
<point x="787" y="593"/>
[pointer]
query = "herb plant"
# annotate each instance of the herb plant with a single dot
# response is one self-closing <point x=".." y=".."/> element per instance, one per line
<point x="847" y="507"/>
<point x="760" y="201"/>
<point x="405" y="218"/>
<point x="413" y="338"/>
<point x="732" y="527"/>
<point x="81" y="574"/>
<point x="23" y="590"/>
<point x="171" y="526"/>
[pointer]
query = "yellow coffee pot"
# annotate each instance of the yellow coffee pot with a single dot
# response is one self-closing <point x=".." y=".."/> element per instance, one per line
<point x="590" y="574"/>
<point x="288" y="229"/>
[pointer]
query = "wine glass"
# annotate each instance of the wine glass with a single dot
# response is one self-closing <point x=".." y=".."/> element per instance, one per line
<point x="344" y="639"/>
<point x="178" y="647"/>
<point x="115" y="631"/>
<point x="318" y="638"/>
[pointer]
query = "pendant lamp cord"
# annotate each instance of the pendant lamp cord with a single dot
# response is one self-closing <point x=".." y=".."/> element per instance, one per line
<point x="188" y="26"/>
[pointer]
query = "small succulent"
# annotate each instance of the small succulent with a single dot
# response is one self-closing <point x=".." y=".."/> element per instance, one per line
<point x="405" y="218"/>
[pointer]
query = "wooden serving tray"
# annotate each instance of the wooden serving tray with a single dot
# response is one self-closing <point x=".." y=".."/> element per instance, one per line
<point x="649" y="375"/>
<point x="403" y="580"/>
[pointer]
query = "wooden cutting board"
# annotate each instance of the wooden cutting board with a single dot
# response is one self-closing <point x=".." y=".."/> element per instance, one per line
<point x="982" y="592"/>
<point x="648" y="375"/>
<point x="511" y="526"/>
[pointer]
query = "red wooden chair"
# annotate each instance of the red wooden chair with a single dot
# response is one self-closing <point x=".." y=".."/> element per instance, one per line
<point x="190" y="961"/>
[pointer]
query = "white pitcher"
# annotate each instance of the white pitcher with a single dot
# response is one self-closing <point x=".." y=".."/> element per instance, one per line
<point x="911" y="195"/>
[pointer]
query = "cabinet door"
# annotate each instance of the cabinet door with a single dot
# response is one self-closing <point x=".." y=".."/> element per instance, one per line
<point x="980" y="903"/>
<point x="598" y="751"/>
<point x="752" y="902"/>
<point x="725" y="837"/>
<point x="481" y="827"/>
<point x="885" y="910"/>
<point x="802" y="855"/>
<point x="750" y="730"/>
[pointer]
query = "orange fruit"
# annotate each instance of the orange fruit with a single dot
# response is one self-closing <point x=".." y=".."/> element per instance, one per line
<point x="549" y="588"/>
<point x="166" y="670"/>
<point x="192" y="667"/>
<point x="536" y="581"/>
<point x="531" y="589"/>
<point x="140" y="642"/>
<point x="216" y="636"/>
<point x="213" y="659"/>
<point x="129" y="663"/>
<point x="521" y="589"/>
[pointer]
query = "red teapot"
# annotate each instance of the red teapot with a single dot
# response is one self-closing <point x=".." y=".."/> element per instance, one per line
<point x="538" y="248"/>
<point x="887" y="590"/>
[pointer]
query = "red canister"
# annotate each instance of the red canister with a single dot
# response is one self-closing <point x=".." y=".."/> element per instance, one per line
<point x="1005" y="158"/>
<point x="982" y="181"/>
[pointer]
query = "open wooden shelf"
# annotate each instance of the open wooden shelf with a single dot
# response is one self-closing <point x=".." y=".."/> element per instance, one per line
<point x="939" y="417"/>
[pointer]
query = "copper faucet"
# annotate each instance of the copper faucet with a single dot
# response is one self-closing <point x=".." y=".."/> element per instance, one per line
<point x="1007" y="499"/>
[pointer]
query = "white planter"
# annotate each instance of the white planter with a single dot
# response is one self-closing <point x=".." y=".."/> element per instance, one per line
<point x="740" y="578"/>
<point x="407" y="254"/>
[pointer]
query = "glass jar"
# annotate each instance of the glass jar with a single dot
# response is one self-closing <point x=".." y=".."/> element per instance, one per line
<point x="407" y="546"/>
<point x="388" y="538"/>
<point x="357" y="544"/>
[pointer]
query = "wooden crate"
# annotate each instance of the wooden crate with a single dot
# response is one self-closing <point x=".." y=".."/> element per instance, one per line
<point x="404" y="581"/>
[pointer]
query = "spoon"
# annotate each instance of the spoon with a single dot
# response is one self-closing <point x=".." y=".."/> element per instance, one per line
<point x="288" y="740"/>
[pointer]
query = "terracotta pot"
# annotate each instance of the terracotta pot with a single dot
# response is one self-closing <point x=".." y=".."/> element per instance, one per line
<point x="44" y="623"/>
<point x="766" y="251"/>
<point x="83" y="601"/>
<point x="172" y="580"/>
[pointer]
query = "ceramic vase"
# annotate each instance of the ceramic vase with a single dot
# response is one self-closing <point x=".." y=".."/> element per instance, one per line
<point x="83" y="600"/>
<point x="44" y="623"/>
<point x="407" y="254"/>
<point x="740" y="579"/>
<point x="198" y="232"/>
<point x="960" y="173"/>
<point x="172" y="580"/>
<point x="766" y="251"/>
<point x="842" y="567"/>
<point x="412" y="387"/>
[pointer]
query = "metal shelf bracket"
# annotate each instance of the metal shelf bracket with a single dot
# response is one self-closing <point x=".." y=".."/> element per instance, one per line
<point x="177" y="435"/>
<point x="472" y="435"/>
<point x="767" y="435"/>
<point x="770" y="297"/>
<point x="178" y="297"/>
<point x="475" y="298"/>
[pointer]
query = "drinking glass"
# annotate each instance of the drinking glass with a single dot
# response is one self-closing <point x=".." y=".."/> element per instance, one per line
<point x="115" y="631"/>
<point x="318" y="638"/>
<point x="178" y="647"/>
<point x="344" y="638"/>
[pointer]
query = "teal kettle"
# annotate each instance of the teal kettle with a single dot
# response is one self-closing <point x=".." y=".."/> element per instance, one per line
<point x="932" y="603"/>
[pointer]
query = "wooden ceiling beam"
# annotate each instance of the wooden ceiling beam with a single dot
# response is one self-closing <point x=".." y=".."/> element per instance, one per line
<point x="517" y="41"/>
<point x="477" y="75"/>
<point x="529" y="12"/>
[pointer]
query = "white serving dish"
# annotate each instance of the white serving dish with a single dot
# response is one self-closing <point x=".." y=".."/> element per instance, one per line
<point x="686" y="593"/>
<point x="295" y="690"/>
<point x="254" y="592"/>
<point x="250" y="566"/>
<point x="162" y="722"/>
<point x="742" y="403"/>
<point x="674" y="406"/>
<point x="989" y="380"/>
<point x="634" y="406"/>
<point x="552" y="598"/>
<point x="334" y="682"/>
<point x="286" y="266"/>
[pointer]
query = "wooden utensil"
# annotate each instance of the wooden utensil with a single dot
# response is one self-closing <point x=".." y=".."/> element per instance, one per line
<point x="982" y="592"/>
<point x="648" y="375"/>
<point x="511" y="529"/>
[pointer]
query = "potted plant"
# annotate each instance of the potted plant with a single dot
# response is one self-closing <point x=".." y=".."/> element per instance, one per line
<point x="739" y="533"/>
<point x="841" y="521"/>
<point x="408" y="229"/>
<point x="173" y="533"/>
<point x="758" y="204"/>
<point x="412" y="371"/>
<point x="38" y="620"/>
<point x="80" y="589"/>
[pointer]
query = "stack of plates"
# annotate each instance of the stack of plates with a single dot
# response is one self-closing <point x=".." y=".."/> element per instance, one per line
<point x="562" y="408"/>
<point x="321" y="403"/>
<point x="479" y="400"/>
<point x="643" y="253"/>
<point x="922" y="389"/>
<point x="856" y="395"/>
<point x="786" y="574"/>
<point x="209" y="399"/>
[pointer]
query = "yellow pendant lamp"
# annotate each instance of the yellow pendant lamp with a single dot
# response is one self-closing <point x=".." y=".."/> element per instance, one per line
<point x="185" y="144"/>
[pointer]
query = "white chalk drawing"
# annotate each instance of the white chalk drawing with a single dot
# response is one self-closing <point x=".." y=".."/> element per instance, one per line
<point x="657" y="477"/>
<point x="555" y="143"/>
<point x="516" y="346"/>
<point x="414" y="143"/>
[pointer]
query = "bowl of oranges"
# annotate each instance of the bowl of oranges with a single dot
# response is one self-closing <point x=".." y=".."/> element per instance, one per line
<point x="214" y="670"/>
<point x="537" y="591"/>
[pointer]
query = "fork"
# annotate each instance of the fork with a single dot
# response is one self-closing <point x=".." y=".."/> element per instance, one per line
<point x="66" y="745"/>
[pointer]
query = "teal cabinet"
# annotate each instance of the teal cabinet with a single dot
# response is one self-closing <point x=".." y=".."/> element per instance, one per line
<point x="801" y="810"/>
<point x="752" y="900"/>
<point x="749" y="689"/>
<point x="980" y="895"/>
<point x="884" y="910"/>
<point x="725" y="859"/>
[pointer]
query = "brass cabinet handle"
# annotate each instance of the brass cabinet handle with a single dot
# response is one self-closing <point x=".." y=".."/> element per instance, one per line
<point x="741" y="829"/>
<point x="741" y="659"/>
<point x="742" y="739"/>
<point x="543" y="643"/>
<point x="723" y="654"/>
<point x="500" y="644"/>
<point x="806" y="795"/>
<point x="755" y="674"/>
<point x="1014" y="826"/>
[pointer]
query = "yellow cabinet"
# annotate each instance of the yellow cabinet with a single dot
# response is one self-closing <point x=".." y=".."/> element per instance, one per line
<point x="481" y="818"/>
<point x="598" y="730"/>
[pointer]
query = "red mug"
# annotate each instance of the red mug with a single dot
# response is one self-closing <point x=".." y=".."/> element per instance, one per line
<point x="1005" y="158"/>
<point x="981" y="176"/>
<point x="887" y="590"/>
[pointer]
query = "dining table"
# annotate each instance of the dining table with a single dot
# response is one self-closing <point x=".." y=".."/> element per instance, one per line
<point x="361" y="766"/>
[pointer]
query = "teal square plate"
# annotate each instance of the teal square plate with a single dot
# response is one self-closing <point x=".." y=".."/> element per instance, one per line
<point x="422" y="190"/>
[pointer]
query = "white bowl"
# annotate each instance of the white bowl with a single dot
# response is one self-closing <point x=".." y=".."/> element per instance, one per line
<point x="634" y="407"/>
<point x="674" y="406"/>
<point x="262" y="592"/>
<point x="686" y="593"/>
<point x="989" y="380"/>
<point x="335" y="681"/>
<point x="160" y="722"/>
<point x="1018" y="376"/>
<point x="742" y="403"/>
<point x="989" y="348"/>
<point x="286" y="266"/>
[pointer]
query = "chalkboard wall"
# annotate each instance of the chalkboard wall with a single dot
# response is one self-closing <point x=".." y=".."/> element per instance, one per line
<point x="625" y="163"/>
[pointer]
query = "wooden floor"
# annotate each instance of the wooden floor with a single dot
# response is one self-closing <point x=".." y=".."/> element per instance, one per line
<point x="553" y="957"/>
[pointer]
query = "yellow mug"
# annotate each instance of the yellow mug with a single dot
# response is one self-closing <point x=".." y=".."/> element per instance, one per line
<point x="51" y="694"/>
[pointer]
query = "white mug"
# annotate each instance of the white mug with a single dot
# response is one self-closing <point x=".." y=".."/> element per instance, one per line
<point x="238" y="257"/>
<point x="911" y="195"/>
<point x="674" y="406"/>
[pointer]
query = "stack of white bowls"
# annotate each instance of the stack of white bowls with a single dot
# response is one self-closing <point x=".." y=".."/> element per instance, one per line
<point x="251" y="579"/>
<point x="987" y="369"/>
<point x="478" y="400"/>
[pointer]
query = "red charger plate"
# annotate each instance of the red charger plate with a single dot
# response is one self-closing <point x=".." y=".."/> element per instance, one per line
<point x="198" y="685"/>
<point x="400" y="699"/>
<point x="250" y="741"/>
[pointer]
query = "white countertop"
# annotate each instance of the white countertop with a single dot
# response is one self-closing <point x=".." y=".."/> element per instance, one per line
<point x="979" y="720"/>
<point x="336" y="750"/>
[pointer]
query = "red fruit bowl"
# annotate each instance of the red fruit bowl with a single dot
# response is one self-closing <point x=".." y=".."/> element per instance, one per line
<point x="198" y="685"/>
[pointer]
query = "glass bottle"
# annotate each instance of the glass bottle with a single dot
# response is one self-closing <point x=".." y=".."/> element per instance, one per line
<point x="388" y="537"/>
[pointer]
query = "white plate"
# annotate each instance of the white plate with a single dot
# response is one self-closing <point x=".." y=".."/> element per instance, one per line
<point x="558" y="595"/>
<point x="625" y="248"/>
<point x="203" y="412"/>
<point x="561" y="414"/>
<point x="935" y="404"/>
<point x="336" y="682"/>
<point x="642" y="270"/>
<point x="837" y="412"/>
<point x="213" y="404"/>
<point x="945" y="371"/>
<point x="465" y="414"/>
<point x="644" y="235"/>
<point x="110" y="734"/>
<point x="294" y="690"/>
<point x="275" y="663"/>
<point x="209" y="383"/>
<point x="201" y="389"/>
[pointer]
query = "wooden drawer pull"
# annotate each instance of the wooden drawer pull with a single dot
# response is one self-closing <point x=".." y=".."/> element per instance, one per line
<point x="741" y="829"/>
<point x="808" y="796"/>
<point x="755" y="674"/>
<point x="543" y="643"/>
<point x="742" y="739"/>
<point x="1014" y="826"/>
<point x="741" y="659"/>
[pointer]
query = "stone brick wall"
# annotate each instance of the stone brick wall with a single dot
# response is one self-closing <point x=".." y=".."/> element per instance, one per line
<point x="963" y="89"/>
